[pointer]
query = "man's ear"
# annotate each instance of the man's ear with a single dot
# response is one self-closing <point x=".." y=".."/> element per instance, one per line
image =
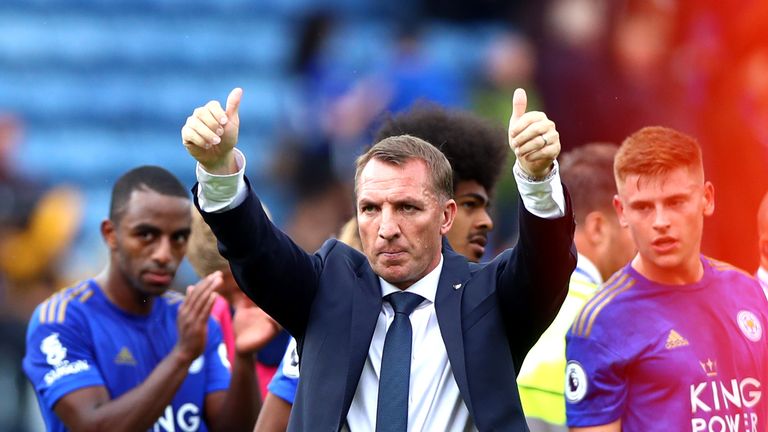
<point x="109" y="233"/>
<point x="763" y="245"/>
<point x="709" y="198"/>
<point x="594" y="227"/>
<point x="449" y="214"/>
<point x="618" y="205"/>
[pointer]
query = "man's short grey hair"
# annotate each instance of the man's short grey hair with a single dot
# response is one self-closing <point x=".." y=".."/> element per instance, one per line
<point x="397" y="150"/>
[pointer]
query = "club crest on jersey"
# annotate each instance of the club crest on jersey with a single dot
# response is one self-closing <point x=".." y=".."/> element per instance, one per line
<point x="575" y="382"/>
<point x="750" y="325"/>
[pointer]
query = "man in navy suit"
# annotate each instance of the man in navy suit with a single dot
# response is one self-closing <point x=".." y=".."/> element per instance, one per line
<point x="470" y="325"/>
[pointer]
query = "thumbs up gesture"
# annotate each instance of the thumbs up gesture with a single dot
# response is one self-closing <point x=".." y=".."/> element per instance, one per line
<point x="533" y="137"/>
<point x="210" y="134"/>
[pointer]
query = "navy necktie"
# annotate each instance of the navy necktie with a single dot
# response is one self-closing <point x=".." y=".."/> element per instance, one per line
<point x="392" y="409"/>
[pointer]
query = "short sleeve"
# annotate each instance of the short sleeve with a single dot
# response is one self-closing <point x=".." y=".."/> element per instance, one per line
<point x="216" y="360"/>
<point x="286" y="379"/>
<point x="60" y="357"/>
<point x="595" y="383"/>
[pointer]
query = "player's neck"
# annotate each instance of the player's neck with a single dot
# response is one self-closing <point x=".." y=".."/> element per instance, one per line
<point x="688" y="272"/>
<point x="120" y="293"/>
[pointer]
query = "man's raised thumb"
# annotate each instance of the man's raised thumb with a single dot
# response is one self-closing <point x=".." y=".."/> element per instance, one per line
<point x="233" y="101"/>
<point x="519" y="104"/>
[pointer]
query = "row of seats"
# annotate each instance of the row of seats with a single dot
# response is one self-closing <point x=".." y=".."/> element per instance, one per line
<point x="105" y="85"/>
<point x="261" y="43"/>
<point x="287" y="8"/>
<point x="125" y="99"/>
<point x="96" y="155"/>
<point x="93" y="40"/>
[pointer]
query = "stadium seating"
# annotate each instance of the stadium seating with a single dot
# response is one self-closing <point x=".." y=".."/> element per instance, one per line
<point x="104" y="85"/>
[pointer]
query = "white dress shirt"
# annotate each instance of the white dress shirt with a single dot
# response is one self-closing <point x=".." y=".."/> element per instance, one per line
<point x="762" y="277"/>
<point x="435" y="403"/>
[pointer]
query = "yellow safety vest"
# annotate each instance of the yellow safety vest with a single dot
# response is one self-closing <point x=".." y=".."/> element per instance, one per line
<point x="541" y="380"/>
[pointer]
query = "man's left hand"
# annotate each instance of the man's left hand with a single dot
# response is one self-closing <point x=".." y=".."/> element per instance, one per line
<point x="533" y="138"/>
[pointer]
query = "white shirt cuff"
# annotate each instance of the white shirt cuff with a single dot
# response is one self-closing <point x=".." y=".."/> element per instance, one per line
<point x="544" y="198"/>
<point x="218" y="193"/>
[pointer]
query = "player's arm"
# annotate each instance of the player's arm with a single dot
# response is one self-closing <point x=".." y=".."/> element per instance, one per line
<point x="237" y="408"/>
<point x="277" y="407"/>
<point x="596" y="383"/>
<point x="91" y="409"/>
<point x="611" y="427"/>
<point x="274" y="414"/>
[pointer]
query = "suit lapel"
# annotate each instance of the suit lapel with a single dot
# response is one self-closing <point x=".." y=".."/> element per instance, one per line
<point x="366" y="305"/>
<point x="450" y="289"/>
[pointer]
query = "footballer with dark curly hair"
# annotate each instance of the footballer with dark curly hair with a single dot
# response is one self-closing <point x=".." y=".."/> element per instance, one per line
<point x="477" y="151"/>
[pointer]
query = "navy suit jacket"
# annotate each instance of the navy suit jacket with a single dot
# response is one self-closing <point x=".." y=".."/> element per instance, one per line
<point x="489" y="314"/>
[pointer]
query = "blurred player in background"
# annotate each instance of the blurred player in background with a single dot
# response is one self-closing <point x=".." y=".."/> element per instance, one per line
<point x="675" y="340"/>
<point x="604" y="247"/>
<point x="122" y="352"/>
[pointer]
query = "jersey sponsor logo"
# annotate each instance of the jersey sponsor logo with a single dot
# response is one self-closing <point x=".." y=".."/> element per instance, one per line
<point x="66" y="369"/>
<point x="750" y="325"/>
<point x="125" y="357"/>
<point x="575" y="382"/>
<point x="675" y="340"/>
<point x="56" y="356"/>
<point x="185" y="419"/>
<point x="725" y="405"/>
<point x="727" y="423"/>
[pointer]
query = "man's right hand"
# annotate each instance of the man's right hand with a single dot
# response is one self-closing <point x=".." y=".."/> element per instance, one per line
<point x="210" y="134"/>
<point x="192" y="320"/>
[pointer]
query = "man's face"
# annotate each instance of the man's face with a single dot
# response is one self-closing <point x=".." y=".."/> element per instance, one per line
<point x="469" y="233"/>
<point x="665" y="214"/>
<point x="401" y="220"/>
<point x="149" y="240"/>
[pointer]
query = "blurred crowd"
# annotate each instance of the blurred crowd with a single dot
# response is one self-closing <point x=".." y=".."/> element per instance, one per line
<point x="601" y="69"/>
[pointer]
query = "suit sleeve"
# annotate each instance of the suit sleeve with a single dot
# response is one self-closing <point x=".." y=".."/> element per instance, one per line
<point x="268" y="266"/>
<point x="533" y="277"/>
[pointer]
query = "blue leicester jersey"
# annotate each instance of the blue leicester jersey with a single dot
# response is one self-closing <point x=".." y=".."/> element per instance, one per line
<point x="286" y="379"/>
<point x="78" y="338"/>
<point x="671" y="357"/>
